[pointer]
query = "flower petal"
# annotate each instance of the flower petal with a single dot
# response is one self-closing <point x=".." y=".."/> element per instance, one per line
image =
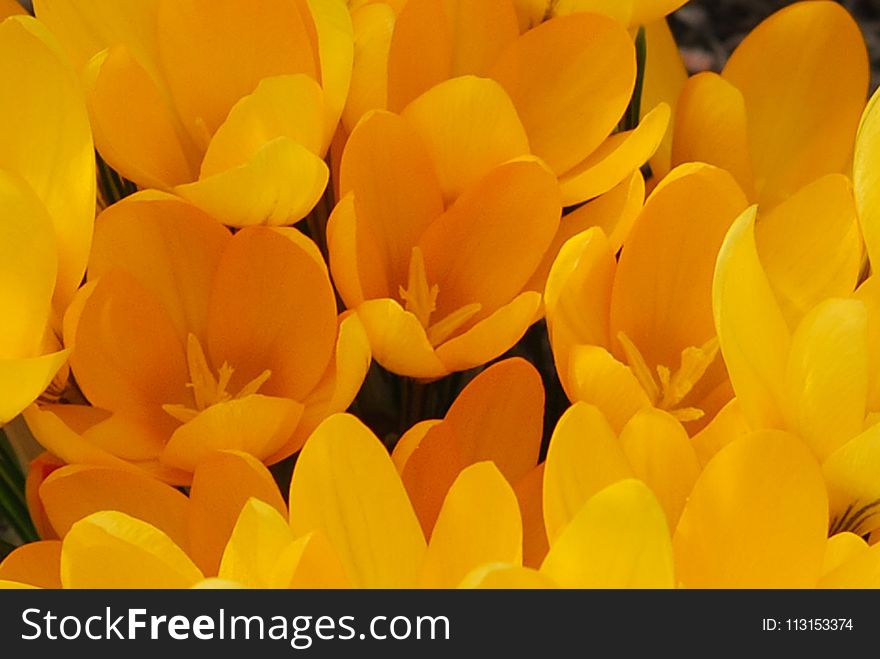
<point x="258" y="539"/>
<point x="346" y="485"/>
<point x="583" y="458"/>
<point x="617" y="539"/>
<point x="866" y="176"/>
<point x="23" y="380"/>
<point x="757" y="517"/>
<point x="255" y="424"/>
<point x="615" y="159"/>
<point x="335" y="35"/>
<point x="75" y="492"/>
<point x="479" y="523"/>
<point x="803" y="74"/>
<point x="551" y="74"/>
<point x="109" y="549"/>
<point x="279" y="185"/>
<point x="469" y="126"/>
<point x="752" y="331"/>
<point x="221" y="487"/>
<point x="272" y="308"/>
<point x="36" y="564"/>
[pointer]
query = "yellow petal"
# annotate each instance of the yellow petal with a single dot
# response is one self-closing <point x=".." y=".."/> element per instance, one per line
<point x="827" y="376"/>
<point x="373" y="29"/>
<point x="259" y="537"/>
<point x="584" y="457"/>
<point x="212" y="58"/>
<point x="577" y="298"/>
<point x="500" y="576"/>
<point x="172" y="249"/>
<point x="10" y="8"/>
<point x="256" y="424"/>
<point x="660" y="453"/>
<point x="757" y="518"/>
<point x="220" y="488"/>
<point x="860" y="571"/>
<point x="803" y="74"/>
<point x="662" y="291"/>
<point x="121" y="94"/>
<point x="109" y="549"/>
<point x="665" y="77"/>
<point x="840" y="548"/>
<point x="28" y="265"/>
<point x="617" y="539"/>
<point x="398" y="340"/>
<point x="614" y="212"/>
<point x="751" y="329"/>
<point x="615" y="159"/>
<point x="272" y="308"/>
<point x="728" y="425"/>
<point x="492" y="336"/>
<point x="281" y="106"/>
<point x="810" y="246"/>
<point x="279" y="185"/>
<point x="434" y="41"/>
<point x="551" y="75"/>
<point x="335" y="34"/>
<point x="869" y="294"/>
<point x="469" y="126"/>
<point x="47" y="141"/>
<point x="75" y="492"/>
<point x="866" y="176"/>
<point x="850" y="473"/>
<point x="36" y="563"/>
<point x="409" y="442"/>
<point x="396" y="195"/>
<point x="310" y="562"/>
<point x="471" y="251"/>
<point x="479" y="523"/>
<point x="345" y="485"/>
<point x="23" y="380"/>
<point x="596" y="377"/>
<point x="711" y="126"/>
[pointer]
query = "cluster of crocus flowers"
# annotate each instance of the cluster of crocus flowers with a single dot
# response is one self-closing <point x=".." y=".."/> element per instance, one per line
<point x="347" y="252"/>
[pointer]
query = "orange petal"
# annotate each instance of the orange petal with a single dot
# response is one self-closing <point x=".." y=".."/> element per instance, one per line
<point x="662" y="296"/>
<point x="221" y="486"/>
<point x="171" y="247"/>
<point x="434" y="41"/>
<point x="74" y="492"/>
<point x="803" y="74"/>
<point x="711" y="126"/>
<point x="486" y="261"/>
<point x="37" y="564"/>
<point x="551" y="75"/>
<point x="461" y="157"/>
<point x="272" y="308"/>
<point x="255" y="424"/>
<point x="615" y="159"/>
<point x="529" y="493"/>
<point x="396" y="195"/>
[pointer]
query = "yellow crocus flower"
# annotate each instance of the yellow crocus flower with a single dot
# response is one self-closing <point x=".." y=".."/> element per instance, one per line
<point x="428" y="244"/>
<point x="230" y="105"/>
<point x="234" y="343"/>
<point x="785" y="109"/>
<point x="47" y="202"/>
<point x="813" y="375"/>
<point x="639" y="332"/>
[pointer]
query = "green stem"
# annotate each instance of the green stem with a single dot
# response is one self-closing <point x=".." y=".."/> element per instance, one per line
<point x="10" y="461"/>
<point x="14" y="508"/>
<point x="5" y="549"/>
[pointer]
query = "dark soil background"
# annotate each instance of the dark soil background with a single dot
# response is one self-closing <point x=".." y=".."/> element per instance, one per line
<point x="708" y="30"/>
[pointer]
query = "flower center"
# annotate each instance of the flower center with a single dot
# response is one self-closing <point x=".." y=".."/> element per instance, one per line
<point x="420" y="299"/>
<point x="669" y="388"/>
<point x="207" y="389"/>
<point x="854" y="518"/>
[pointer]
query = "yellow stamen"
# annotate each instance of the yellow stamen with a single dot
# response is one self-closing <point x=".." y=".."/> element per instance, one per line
<point x="443" y="329"/>
<point x="420" y="298"/>
<point x="670" y="388"/>
<point x="207" y="389"/>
